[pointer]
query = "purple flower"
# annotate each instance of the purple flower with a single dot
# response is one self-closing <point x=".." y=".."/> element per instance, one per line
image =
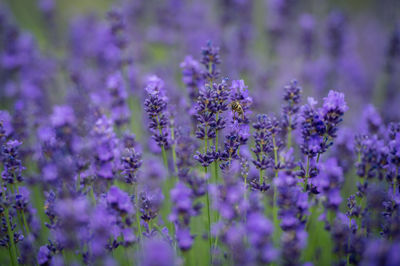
<point x="373" y="154"/>
<point x="307" y="25"/>
<point x="72" y="217"/>
<point x="105" y="145"/>
<point x="149" y="203"/>
<point x="328" y="182"/>
<point x="46" y="6"/>
<point x="263" y="143"/>
<point x="185" y="149"/>
<point x="291" y="200"/>
<point x="62" y="116"/>
<point x="22" y="199"/>
<point x="334" y="103"/>
<point x="5" y="125"/>
<point x="101" y="226"/>
<point x="259" y="229"/>
<point x="197" y="183"/>
<point x="49" y="172"/>
<point x="238" y="133"/>
<point x="156" y="109"/>
<point x="207" y="158"/>
<point x="292" y="100"/>
<point x="12" y="172"/>
<point x="336" y="26"/>
<point x="312" y="129"/>
<point x="319" y="126"/>
<point x="131" y="162"/>
<point x="119" y="200"/>
<point x="228" y="199"/>
<point x="128" y="235"/>
<point x="192" y="76"/>
<point x="234" y="239"/>
<point x="184" y="238"/>
<point x="293" y="242"/>
<point x="380" y="252"/>
<point x="155" y="86"/>
<point x="206" y="108"/>
<point x="330" y="175"/>
<point x="157" y="252"/>
<point x="181" y="196"/>
<point x="43" y="255"/>
<point x="153" y="175"/>
<point x="119" y="109"/>
<point x="231" y="146"/>
<point x="182" y="210"/>
<point x="240" y="95"/>
<point x="371" y="121"/>
<point x="211" y="59"/>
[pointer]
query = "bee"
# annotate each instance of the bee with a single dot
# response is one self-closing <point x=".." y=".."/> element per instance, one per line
<point x="237" y="108"/>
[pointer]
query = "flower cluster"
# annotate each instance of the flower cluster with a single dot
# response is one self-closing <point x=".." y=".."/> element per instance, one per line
<point x="131" y="161"/>
<point x="211" y="59"/>
<point x="263" y="143"/>
<point x="204" y="166"/>
<point x="293" y="204"/>
<point x="291" y="107"/>
<point x="156" y="108"/>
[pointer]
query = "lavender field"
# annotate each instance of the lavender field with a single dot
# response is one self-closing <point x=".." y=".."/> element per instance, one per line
<point x="202" y="132"/>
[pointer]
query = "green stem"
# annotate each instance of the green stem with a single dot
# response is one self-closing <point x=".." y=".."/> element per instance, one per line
<point x="319" y="154"/>
<point x="277" y="230"/>
<point x="331" y="216"/>
<point x="307" y="175"/>
<point x="12" y="247"/>
<point x="11" y="256"/>
<point x="22" y="213"/>
<point x="92" y="195"/>
<point x="216" y="150"/>
<point x="208" y="203"/>
<point x="275" y="155"/>
<point x="186" y="255"/>
<point x="274" y="203"/>
<point x="125" y="251"/>
<point x="216" y="242"/>
<point x="216" y="173"/>
<point x="168" y="185"/>
<point x="261" y="177"/>
<point x="348" y="243"/>
<point x="138" y="213"/>
<point x="78" y="182"/>
<point x="216" y="215"/>
<point x="209" y="223"/>
<point x="164" y="156"/>
<point x="310" y="217"/>
<point x="174" y="158"/>
<point x="289" y="133"/>
<point x="13" y="251"/>
<point x="25" y="222"/>
<point x="173" y="148"/>
<point x="311" y="228"/>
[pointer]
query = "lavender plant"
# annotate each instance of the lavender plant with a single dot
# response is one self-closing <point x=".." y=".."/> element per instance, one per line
<point x="129" y="142"/>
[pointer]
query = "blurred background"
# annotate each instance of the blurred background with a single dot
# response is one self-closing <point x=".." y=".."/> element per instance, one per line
<point x="351" y="46"/>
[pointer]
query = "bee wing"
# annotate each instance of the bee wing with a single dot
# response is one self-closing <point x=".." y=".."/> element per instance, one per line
<point x="245" y="103"/>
